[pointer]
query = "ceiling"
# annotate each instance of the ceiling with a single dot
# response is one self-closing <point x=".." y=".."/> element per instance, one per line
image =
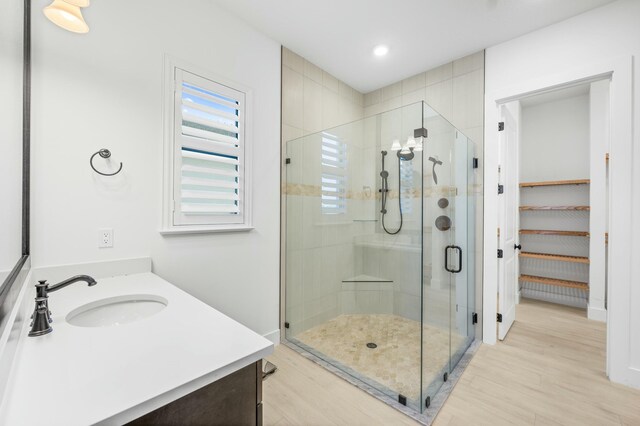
<point x="339" y="35"/>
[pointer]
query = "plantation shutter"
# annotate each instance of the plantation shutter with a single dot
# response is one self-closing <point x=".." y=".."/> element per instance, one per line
<point x="209" y="184"/>
<point x="334" y="175"/>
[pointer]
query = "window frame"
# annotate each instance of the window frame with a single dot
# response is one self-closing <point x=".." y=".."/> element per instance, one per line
<point x="173" y="148"/>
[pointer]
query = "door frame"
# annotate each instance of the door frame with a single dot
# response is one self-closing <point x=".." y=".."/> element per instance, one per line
<point x="510" y="184"/>
<point x="619" y="292"/>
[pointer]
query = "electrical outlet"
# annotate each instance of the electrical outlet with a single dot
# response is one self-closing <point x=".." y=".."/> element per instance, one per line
<point x="105" y="237"/>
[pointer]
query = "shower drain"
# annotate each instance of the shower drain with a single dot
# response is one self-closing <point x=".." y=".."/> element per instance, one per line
<point x="372" y="345"/>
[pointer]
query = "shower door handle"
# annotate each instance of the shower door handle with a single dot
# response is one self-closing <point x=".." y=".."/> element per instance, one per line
<point x="455" y="271"/>
<point x="446" y="259"/>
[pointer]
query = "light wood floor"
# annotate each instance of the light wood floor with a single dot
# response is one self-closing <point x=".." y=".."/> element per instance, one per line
<point x="549" y="371"/>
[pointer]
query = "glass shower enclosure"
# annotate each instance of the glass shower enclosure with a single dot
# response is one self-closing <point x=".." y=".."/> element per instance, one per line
<point x="379" y="250"/>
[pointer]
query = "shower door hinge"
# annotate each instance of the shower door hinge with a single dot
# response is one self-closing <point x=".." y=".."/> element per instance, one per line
<point x="501" y="126"/>
<point x="287" y="161"/>
<point x="474" y="318"/>
<point x="500" y="254"/>
<point x="420" y="133"/>
<point x="499" y="317"/>
<point x="286" y="325"/>
<point x="500" y="189"/>
<point x="475" y="163"/>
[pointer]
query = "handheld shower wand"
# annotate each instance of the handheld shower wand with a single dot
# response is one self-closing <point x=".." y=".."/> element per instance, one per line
<point x="384" y="193"/>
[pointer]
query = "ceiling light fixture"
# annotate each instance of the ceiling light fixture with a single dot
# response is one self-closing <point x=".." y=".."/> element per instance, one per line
<point x="66" y="14"/>
<point x="380" y="50"/>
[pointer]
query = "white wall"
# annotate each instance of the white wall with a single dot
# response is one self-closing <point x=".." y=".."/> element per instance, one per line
<point x="10" y="135"/>
<point x="603" y="34"/>
<point x="554" y="145"/>
<point x="555" y="140"/>
<point x="104" y="90"/>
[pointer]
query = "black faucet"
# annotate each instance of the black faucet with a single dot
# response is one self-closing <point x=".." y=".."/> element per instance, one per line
<point x="41" y="317"/>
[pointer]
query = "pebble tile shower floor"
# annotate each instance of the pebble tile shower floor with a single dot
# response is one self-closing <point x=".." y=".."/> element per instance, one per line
<point x="395" y="362"/>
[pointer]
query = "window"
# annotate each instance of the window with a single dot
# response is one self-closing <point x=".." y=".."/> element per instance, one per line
<point x="210" y="186"/>
<point x="334" y="175"/>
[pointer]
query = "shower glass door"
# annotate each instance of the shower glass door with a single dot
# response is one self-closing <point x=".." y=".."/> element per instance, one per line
<point x="354" y="274"/>
<point x="369" y="212"/>
<point x="462" y="245"/>
<point x="449" y="279"/>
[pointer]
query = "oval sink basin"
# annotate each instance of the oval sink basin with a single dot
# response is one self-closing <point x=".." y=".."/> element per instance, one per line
<point x="116" y="310"/>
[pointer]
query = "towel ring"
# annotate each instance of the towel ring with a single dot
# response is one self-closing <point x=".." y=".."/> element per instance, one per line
<point x="104" y="153"/>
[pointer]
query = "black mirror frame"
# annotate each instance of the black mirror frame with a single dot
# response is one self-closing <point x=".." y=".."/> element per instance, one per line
<point x="9" y="290"/>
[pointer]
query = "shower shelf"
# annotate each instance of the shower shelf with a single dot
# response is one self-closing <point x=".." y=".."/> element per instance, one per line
<point x="366" y="279"/>
<point x="555" y="183"/>
<point x="554" y="281"/>
<point x="558" y="257"/>
<point x="552" y="232"/>
<point x="555" y="208"/>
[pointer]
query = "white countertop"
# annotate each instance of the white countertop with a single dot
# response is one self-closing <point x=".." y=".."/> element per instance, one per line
<point x="111" y="375"/>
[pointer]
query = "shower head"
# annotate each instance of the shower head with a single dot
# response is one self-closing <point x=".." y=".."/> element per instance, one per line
<point x="435" y="161"/>
<point x="406" y="156"/>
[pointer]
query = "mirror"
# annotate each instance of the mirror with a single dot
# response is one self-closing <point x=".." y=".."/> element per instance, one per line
<point x="11" y="137"/>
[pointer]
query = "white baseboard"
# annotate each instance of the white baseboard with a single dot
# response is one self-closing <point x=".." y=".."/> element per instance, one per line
<point x="273" y="336"/>
<point x="626" y="376"/>
<point x="597" y="314"/>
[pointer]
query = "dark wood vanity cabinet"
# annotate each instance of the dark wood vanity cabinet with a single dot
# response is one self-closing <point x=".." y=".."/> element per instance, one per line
<point x="233" y="400"/>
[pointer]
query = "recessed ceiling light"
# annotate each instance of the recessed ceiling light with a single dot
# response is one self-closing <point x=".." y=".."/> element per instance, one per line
<point x="380" y="50"/>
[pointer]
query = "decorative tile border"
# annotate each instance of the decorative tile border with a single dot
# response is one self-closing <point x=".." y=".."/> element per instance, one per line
<point x="316" y="191"/>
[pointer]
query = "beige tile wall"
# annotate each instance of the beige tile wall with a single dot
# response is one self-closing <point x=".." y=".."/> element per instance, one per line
<point x="314" y="100"/>
<point x="456" y="91"/>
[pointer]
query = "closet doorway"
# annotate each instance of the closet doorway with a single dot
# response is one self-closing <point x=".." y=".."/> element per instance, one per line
<point x="553" y="208"/>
